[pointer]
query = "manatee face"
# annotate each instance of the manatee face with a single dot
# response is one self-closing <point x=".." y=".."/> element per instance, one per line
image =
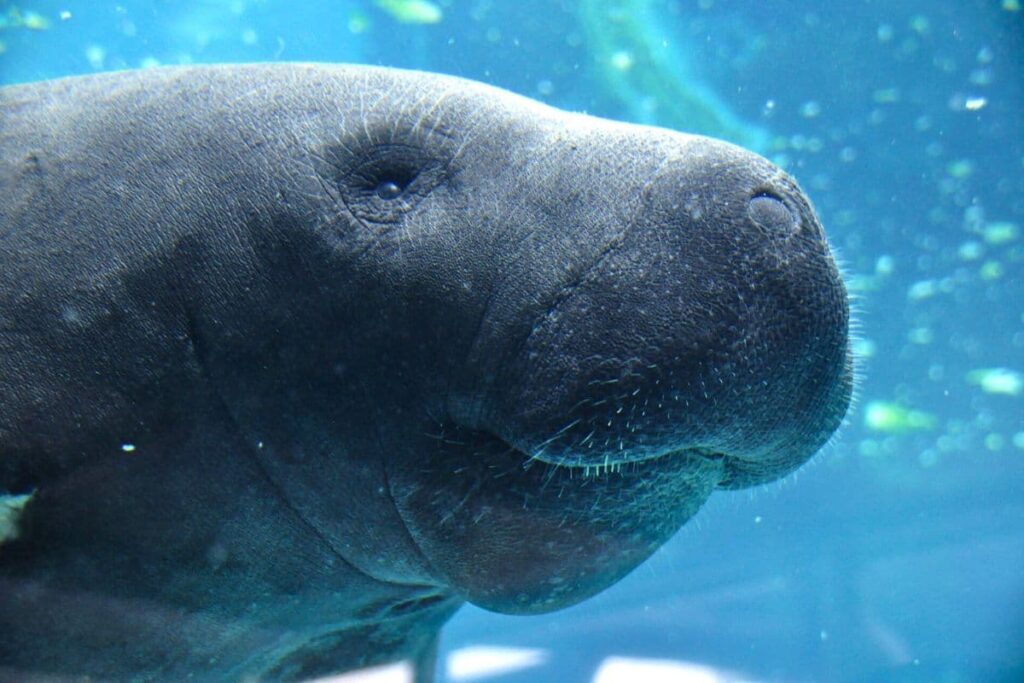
<point x="614" y="320"/>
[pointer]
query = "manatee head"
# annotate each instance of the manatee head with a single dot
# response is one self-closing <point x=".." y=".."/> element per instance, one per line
<point x="558" y="334"/>
<point x="620" y="318"/>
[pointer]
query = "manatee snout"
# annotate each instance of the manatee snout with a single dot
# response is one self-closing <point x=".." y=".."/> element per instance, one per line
<point x="714" y="324"/>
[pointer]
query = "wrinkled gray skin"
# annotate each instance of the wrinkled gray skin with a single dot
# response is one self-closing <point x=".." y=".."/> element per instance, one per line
<point x="383" y="342"/>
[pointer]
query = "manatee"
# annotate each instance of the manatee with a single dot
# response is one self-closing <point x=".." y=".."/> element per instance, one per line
<point x="296" y="359"/>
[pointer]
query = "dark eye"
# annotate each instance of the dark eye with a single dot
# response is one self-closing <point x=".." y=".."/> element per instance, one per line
<point x="391" y="177"/>
<point x="381" y="183"/>
<point x="389" y="173"/>
<point x="388" y="189"/>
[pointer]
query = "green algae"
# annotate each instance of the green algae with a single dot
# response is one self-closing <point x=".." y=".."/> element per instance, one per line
<point x="895" y="418"/>
<point x="647" y="73"/>
<point x="411" y="11"/>
<point x="997" y="381"/>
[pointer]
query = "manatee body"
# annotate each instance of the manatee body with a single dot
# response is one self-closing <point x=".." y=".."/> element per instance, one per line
<point x="295" y="359"/>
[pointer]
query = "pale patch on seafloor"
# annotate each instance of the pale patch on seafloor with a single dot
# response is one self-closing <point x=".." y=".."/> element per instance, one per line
<point x="399" y="672"/>
<point x="629" y="670"/>
<point x="484" y="661"/>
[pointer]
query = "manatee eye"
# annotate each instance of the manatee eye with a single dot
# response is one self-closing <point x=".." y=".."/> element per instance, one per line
<point x="390" y="175"/>
<point x="770" y="213"/>
<point x="388" y="190"/>
<point x="382" y="182"/>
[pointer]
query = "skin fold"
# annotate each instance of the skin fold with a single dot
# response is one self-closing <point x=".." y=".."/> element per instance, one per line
<point x="295" y="359"/>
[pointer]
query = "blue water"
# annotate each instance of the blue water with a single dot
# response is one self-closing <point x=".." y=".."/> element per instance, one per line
<point x="898" y="554"/>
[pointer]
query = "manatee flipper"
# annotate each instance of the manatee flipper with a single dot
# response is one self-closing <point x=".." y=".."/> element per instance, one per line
<point x="425" y="665"/>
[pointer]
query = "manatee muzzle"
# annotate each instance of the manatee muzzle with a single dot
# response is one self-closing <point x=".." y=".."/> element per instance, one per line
<point x="735" y="350"/>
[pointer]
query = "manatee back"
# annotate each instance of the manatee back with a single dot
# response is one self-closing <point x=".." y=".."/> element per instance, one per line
<point x="113" y="189"/>
<point x="90" y="210"/>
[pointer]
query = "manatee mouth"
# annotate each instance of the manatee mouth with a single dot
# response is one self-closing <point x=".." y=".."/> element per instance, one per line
<point x="588" y="463"/>
<point x="593" y="465"/>
<point x="736" y="472"/>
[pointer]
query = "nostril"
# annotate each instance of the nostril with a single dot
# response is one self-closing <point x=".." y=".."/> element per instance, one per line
<point x="772" y="215"/>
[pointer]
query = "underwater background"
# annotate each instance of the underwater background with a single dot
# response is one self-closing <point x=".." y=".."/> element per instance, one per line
<point x="898" y="553"/>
